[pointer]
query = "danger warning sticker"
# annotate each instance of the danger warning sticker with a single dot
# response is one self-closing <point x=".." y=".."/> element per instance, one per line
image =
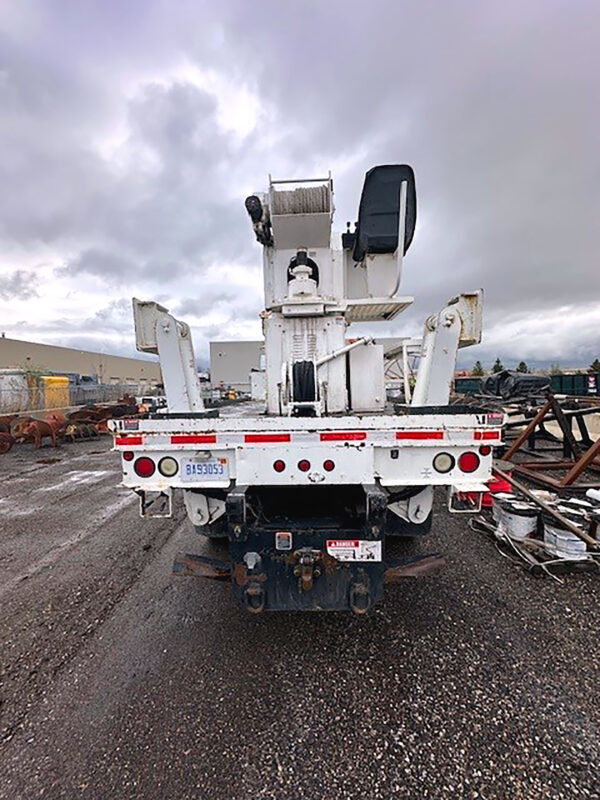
<point x="354" y="550"/>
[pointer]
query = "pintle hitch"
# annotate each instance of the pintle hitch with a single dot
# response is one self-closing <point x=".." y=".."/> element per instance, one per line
<point x="308" y="567"/>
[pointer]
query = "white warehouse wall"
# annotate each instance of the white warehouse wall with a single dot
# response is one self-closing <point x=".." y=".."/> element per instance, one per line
<point x="231" y="363"/>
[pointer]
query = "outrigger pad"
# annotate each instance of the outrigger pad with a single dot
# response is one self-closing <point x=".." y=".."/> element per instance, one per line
<point x="378" y="213"/>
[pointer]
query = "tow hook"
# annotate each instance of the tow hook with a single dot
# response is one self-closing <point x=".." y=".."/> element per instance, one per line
<point x="360" y="599"/>
<point x="255" y="597"/>
<point x="308" y="567"/>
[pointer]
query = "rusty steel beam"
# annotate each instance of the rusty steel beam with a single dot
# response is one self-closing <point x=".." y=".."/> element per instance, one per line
<point x="189" y="565"/>
<point x="525" y="434"/>
<point x="575" y="413"/>
<point x="585" y="461"/>
<point x="537" y="476"/>
<point x="542" y="465"/>
<point x="417" y="568"/>
<point x="570" y="445"/>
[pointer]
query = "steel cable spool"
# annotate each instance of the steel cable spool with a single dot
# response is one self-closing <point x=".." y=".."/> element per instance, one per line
<point x="303" y="200"/>
<point x="561" y="541"/>
<point x="517" y="519"/>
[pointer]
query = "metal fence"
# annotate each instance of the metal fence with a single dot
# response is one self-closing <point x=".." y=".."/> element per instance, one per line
<point x="34" y="397"/>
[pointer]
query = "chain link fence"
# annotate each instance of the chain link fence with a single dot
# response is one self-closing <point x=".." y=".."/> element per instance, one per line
<point x="19" y="393"/>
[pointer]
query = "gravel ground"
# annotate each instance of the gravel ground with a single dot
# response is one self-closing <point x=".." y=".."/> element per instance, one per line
<point x="118" y="681"/>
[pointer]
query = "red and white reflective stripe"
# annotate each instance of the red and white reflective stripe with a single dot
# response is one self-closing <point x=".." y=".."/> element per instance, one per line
<point x="128" y="441"/>
<point x="479" y="435"/>
<point x="344" y="436"/>
<point x="194" y="438"/>
<point x="419" y="435"/>
<point x="265" y="438"/>
<point x="378" y="438"/>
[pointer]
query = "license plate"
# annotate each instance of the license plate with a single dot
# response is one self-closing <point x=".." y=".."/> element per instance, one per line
<point x="205" y="469"/>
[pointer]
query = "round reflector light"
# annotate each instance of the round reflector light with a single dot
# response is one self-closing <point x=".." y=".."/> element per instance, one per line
<point x="144" y="467"/>
<point x="279" y="465"/>
<point x="328" y="465"/>
<point x="168" y="466"/>
<point x="127" y="455"/>
<point x="468" y="462"/>
<point x="485" y="450"/>
<point x="304" y="465"/>
<point x="443" y="462"/>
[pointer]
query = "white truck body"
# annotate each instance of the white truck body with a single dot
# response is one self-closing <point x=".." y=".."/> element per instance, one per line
<point x="307" y="491"/>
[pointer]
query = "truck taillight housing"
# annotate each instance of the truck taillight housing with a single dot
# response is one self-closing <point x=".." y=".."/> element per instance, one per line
<point x="304" y="465"/>
<point x="128" y="455"/>
<point x="168" y="467"/>
<point x="144" y="467"/>
<point x="279" y="465"/>
<point x="468" y="462"/>
<point x="443" y="462"/>
<point x="328" y="465"/>
<point x="485" y="450"/>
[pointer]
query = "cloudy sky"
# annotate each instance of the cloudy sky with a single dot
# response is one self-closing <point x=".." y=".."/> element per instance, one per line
<point x="131" y="131"/>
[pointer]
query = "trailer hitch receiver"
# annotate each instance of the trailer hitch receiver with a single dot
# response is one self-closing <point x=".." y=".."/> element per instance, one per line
<point x="155" y="504"/>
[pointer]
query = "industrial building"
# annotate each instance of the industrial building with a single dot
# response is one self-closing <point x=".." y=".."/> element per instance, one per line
<point x="232" y="362"/>
<point x="36" y="357"/>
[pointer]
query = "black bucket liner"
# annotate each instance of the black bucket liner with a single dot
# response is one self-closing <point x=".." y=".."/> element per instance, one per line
<point x="377" y="227"/>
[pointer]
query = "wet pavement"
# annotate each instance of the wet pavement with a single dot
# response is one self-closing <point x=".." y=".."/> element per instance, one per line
<point x="118" y="681"/>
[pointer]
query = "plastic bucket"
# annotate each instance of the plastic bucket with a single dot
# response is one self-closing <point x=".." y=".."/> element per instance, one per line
<point x="495" y="485"/>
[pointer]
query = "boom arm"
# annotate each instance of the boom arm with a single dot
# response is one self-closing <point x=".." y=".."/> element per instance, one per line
<point x="157" y="331"/>
<point x="457" y="325"/>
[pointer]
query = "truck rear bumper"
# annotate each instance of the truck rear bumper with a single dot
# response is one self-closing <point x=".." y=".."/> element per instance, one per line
<point x="306" y="578"/>
<point x="394" y="450"/>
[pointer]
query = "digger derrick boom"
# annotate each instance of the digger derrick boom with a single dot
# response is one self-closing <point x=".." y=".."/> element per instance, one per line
<point x="308" y="493"/>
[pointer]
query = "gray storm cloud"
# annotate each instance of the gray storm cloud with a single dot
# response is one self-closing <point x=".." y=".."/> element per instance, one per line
<point x="131" y="132"/>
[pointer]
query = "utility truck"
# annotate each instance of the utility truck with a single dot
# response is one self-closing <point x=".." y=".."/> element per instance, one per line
<point x="309" y="492"/>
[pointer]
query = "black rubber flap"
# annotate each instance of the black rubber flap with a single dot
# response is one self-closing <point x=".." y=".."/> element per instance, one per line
<point x="377" y="228"/>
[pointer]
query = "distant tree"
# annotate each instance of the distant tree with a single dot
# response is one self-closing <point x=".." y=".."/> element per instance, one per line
<point x="498" y="366"/>
<point x="477" y="371"/>
<point x="522" y="367"/>
<point x="555" y="369"/>
<point x="595" y="365"/>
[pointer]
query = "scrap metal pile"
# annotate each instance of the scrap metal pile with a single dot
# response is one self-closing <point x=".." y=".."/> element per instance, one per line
<point x="84" y="423"/>
<point x="534" y="449"/>
<point x="549" y="534"/>
<point x="552" y="529"/>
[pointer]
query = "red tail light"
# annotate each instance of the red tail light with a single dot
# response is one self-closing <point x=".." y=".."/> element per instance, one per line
<point x="144" y="467"/>
<point x="328" y="465"/>
<point x="485" y="450"/>
<point x="279" y="465"/>
<point x="304" y="465"/>
<point x="128" y="455"/>
<point x="468" y="462"/>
